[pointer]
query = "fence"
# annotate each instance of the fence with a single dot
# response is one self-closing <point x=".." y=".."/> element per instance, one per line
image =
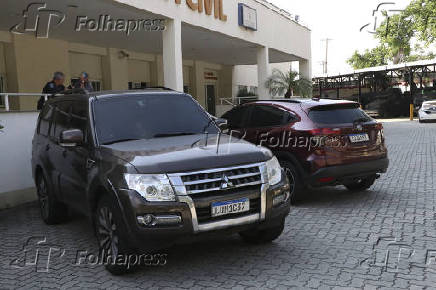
<point x="6" y="98"/>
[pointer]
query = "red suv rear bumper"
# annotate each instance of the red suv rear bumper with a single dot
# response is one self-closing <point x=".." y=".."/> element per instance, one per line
<point x="337" y="174"/>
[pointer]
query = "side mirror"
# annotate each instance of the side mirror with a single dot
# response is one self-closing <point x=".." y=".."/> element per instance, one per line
<point x="222" y="124"/>
<point x="71" y="138"/>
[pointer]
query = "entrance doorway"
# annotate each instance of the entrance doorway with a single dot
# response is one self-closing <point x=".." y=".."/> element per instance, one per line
<point x="211" y="99"/>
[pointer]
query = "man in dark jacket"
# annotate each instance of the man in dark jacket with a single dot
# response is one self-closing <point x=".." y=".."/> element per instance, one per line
<point x="52" y="88"/>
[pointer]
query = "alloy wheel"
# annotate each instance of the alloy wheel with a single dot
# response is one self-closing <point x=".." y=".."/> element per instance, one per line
<point x="106" y="229"/>
<point x="291" y="179"/>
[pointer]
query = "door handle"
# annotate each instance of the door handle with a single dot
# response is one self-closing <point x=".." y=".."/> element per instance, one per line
<point x="47" y="147"/>
<point x="89" y="163"/>
<point x="64" y="153"/>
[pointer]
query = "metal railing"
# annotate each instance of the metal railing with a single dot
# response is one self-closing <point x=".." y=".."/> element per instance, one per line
<point x="237" y="101"/>
<point x="5" y="97"/>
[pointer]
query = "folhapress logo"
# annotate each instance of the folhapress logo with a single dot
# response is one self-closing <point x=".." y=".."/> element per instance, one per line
<point x="39" y="20"/>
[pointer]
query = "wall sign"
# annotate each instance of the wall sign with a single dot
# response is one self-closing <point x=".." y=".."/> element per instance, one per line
<point x="247" y="16"/>
<point x="210" y="75"/>
<point x="207" y="7"/>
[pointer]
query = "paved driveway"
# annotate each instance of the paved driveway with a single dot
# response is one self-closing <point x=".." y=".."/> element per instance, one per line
<point x="385" y="237"/>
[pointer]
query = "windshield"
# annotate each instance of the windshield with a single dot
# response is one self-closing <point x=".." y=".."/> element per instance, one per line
<point x="338" y="114"/>
<point x="125" y="118"/>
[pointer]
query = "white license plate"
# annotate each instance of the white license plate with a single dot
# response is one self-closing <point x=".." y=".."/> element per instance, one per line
<point x="357" y="138"/>
<point x="230" y="207"/>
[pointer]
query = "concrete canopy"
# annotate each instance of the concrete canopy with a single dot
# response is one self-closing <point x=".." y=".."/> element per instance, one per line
<point x="198" y="43"/>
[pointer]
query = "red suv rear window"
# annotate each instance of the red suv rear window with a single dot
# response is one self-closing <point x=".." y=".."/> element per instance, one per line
<point x="338" y="114"/>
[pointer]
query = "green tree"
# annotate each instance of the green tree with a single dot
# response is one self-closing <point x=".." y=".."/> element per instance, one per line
<point x="417" y="23"/>
<point x="369" y="58"/>
<point x="288" y="84"/>
<point x="423" y="16"/>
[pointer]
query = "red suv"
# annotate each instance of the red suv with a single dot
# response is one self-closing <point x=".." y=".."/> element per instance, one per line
<point x="319" y="142"/>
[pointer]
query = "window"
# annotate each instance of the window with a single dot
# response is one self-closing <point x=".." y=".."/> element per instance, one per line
<point x="137" y="85"/>
<point x="62" y="119"/>
<point x="236" y="117"/>
<point x="268" y="116"/>
<point x="338" y="114"/>
<point x="45" y="120"/>
<point x="149" y="116"/>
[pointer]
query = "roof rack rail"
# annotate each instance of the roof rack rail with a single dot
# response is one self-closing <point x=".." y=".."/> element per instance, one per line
<point x="283" y="101"/>
<point x="159" y="88"/>
<point x="78" y="91"/>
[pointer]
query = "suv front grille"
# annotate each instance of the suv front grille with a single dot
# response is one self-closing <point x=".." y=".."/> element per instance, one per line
<point x="221" y="179"/>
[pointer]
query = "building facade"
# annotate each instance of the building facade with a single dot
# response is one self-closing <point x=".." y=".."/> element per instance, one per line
<point x="209" y="48"/>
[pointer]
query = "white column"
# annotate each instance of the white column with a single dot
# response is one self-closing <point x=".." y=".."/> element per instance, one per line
<point x="172" y="55"/>
<point x="263" y="72"/>
<point x="305" y="68"/>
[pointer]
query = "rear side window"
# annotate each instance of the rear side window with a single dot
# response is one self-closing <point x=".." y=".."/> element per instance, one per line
<point x="236" y="117"/>
<point x="338" y="114"/>
<point x="268" y="116"/>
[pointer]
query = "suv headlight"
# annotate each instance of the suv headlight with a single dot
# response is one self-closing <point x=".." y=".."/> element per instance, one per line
<point x="274" y="171"/>
<point x="151" y="187"/>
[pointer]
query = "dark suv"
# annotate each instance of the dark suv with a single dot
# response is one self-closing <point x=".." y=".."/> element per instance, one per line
<point x="317" y="141"/>
<point x="151" y="168"/>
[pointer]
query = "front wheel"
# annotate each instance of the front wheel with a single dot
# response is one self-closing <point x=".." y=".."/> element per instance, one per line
<point x="361" y="183"/>
<point x="296" y="186"/>
<point x="263" y="236"/>
<point x="111" y="236"/>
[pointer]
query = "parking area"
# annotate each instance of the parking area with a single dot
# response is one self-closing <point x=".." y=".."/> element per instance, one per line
<point x="384" y="237"/>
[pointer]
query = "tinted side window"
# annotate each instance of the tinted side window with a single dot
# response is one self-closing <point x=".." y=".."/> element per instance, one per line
<point x="236" y="117"/>
<point x="45" y="120"/>
<point x="268" y="116"/>
<point x="62" y="119"/>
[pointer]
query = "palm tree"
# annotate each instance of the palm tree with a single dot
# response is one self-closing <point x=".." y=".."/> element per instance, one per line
<point x="288" y="84"/>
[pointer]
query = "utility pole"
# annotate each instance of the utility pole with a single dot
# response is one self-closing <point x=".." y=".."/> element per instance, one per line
<point x="325" y="62"/>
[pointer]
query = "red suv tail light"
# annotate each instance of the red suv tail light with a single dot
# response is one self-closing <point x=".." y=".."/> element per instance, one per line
<point x="325" y="131"/>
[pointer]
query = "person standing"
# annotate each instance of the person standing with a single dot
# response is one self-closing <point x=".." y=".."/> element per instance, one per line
<point x="83" y="83"/>
<point x="52" y="88"/>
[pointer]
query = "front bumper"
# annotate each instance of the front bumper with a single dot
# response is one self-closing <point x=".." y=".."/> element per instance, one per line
<point x="153" y="238"/>
<point x="338" y="174"/>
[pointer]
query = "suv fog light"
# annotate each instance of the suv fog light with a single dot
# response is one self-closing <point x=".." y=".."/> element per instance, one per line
<point x="150" y="220"/>
<point x="281" y="198"/>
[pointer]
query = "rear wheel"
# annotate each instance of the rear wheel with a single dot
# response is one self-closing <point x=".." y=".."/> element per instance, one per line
<point x="296" y="186"/>
<point x="52" y="211"/>
<point x="263" y="236"/>
<point x="361" y="183"/>
<point x="111" y="236"/>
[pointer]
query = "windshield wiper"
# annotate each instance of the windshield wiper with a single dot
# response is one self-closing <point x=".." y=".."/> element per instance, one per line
<point x="173" y="135"/>
<point x="120" y="141"/>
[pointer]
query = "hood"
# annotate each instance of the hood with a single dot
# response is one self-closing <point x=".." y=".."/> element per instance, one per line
<point x="187" y="153"/>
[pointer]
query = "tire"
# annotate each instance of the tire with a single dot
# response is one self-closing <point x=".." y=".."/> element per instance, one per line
<point x="361" y="184"/>
<point x="111" y="235"/>
<point x="296" y="184"/>
<point x="52" y="211"/>
<point x="263" y="236"/>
